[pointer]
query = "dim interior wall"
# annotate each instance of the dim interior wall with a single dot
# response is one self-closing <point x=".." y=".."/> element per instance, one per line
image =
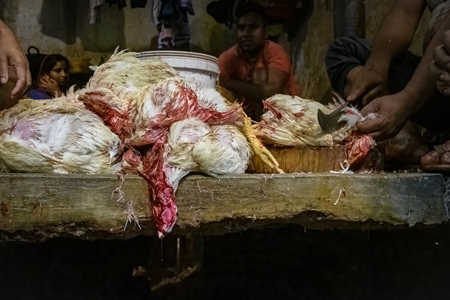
<point x="308" y="60"/>
<point x="62" y="27"/>
<point x="56" y="26"/>
<point x="71" y="35"/>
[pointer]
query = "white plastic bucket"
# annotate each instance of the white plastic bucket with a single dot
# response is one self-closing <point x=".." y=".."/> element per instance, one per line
<point x="197" y="67"/>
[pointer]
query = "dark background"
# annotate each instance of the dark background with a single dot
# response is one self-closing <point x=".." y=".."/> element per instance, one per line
<point x="281" y="263"/>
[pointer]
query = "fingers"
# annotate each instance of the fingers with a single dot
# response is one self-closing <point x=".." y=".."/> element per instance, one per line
<point x="374" y="128"/>
<point x="442" y="57"/>
<point x="22" y="76"/>
<point x="377" y="128"/>
<point x="443" y="82"/>
<point x="355" y="93"/>
<point x="20" y="88"/>
<point x="4" y="76"/>
<point x="446" y="40"/>
<point x="23" y="80"/>
<point x="368" y="92"/>
<point x="29" y="78"/>
<point x="372" y="94"/>
<point x="368" y="126"/>
<point x="438" y="71"/>
<point x="443" y="87"/>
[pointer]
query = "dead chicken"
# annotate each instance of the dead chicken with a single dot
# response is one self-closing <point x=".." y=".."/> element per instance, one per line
<point x="170" y="127"/>
<point x="190" y="146"/>
<point x="56" y="136"/>
<point x="292" y="121"/>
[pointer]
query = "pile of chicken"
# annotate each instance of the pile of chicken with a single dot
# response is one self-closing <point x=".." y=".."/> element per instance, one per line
<point x="133" y="116"/>
<point x="139" y="116"/>
<point x="292" y="121"/>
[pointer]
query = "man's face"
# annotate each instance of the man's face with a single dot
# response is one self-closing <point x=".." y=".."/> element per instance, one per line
<point x="251" y="32"/>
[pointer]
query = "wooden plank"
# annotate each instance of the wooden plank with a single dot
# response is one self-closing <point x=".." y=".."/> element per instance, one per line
<point x="301" y="159"/>
<point x="38" y="207"/>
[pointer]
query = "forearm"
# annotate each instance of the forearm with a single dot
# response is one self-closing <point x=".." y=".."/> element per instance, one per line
<point x="423" y="82"/>
<point x="395" y="34"/>
<point x="253" y="91"/>
<point x="6" y="35"/>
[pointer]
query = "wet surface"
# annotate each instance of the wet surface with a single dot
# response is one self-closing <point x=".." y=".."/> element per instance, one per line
<point x="284" y="263"/>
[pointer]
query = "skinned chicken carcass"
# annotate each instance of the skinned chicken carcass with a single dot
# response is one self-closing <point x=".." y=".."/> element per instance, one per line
<point x="184" y="137"/>
<point x="171" y="128"/>
<point x="56" y="136"/>
<point x="292" y="121"/>
<point x="192" y="146"/>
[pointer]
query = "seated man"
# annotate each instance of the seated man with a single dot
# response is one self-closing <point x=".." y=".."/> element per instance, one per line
<point x="255" y="68"/>
<point x="394" y="84"/>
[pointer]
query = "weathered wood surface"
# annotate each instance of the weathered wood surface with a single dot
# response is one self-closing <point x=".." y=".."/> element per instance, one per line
<point x="313" y="159"/>
<point x="301" y="159"/>
<point x="38" y="207"/>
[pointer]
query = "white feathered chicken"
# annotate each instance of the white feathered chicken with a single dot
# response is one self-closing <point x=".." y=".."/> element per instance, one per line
<point x="170" y="127"/>
<point x="292" y="121"/>
<point x="56" y="136"/>
<point x="167" y="127"/>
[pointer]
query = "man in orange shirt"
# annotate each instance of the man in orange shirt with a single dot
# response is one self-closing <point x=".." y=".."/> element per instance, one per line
<point x="255" y="68"/>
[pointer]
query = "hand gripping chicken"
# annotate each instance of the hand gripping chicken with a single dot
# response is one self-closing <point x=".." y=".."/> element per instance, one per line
<point x="292" y="121"/>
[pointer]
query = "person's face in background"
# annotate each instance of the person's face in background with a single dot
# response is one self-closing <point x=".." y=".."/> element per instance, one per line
<point x="60" y="73"/>
<point x="251" y="32"/>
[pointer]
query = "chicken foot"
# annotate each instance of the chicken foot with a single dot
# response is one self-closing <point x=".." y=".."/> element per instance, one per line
<point x="259" y="149"/>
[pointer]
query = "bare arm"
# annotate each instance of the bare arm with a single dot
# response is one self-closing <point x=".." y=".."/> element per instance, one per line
<point x="11" y="55"/>
<point x="396" y="33"/>
<point x="423" y="82"/>
<point x="276" y="82"/>
<point x="394" y="110"/>
<point x="394" y="37"/>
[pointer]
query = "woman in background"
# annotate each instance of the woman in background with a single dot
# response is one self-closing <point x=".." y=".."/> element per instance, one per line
<point x="53" y="78"/>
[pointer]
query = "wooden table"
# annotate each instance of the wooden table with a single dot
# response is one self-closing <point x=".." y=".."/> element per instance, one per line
<point x="36" y="207"/>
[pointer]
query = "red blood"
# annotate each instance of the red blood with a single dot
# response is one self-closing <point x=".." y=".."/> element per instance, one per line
<point x="161" y="192"/>
<point x="117" y="121"/>
<point x="270" y="107"/>
<point x="358" y="146"/>
<point x="132" y="158"/>
<point x="152" y="134"/>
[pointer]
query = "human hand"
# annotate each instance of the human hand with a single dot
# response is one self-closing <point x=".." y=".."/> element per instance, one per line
<point x="12" y="55"/>
<point x="49" y="85"/>
<point x="364" y="84"/>
<point x="440" y="66"/>
<point x="392" y="112"/>
<point x="6" y="101"/>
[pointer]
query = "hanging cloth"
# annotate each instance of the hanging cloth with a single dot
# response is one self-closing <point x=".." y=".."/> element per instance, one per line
<point x="172" y="22"/>
<point x="138" y="3"/>
<point x="94" y="5"/>
<point x="120" y="3"/>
